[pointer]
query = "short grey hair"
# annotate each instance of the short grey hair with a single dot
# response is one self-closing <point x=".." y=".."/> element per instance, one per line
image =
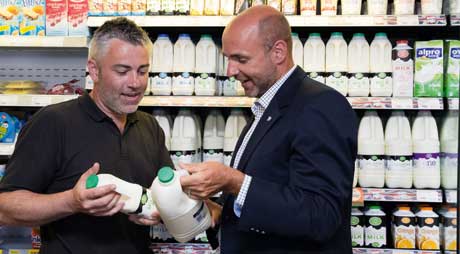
<point x="119" y="28"/>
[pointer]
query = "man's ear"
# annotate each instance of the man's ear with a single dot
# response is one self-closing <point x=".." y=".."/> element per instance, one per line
<point x="93" y="70"/>
<point x="279" y="51"/>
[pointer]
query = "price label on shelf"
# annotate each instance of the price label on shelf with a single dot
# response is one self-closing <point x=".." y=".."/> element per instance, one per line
<point x="453" y="103"/>
<point x="429" y="196"/>
<point x="41" y="100"/>
<point x="429" y="103"/>
<point x="8" y="100"/>
<point x="402" y="103"/>
<point x="358" y="197"/>
<point x="407" y="20"/>
<point x="451" y="196"/>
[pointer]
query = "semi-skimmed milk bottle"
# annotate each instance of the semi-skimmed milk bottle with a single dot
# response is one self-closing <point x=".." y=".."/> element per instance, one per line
<point x="449" y="150"/>
<point x="371" y="150"/>
<point x="398" y="151"/>
<point x="213" y="138"/>
<point x="184" y="138"/>
<point x="375" y="231"/>
<point x="206" y="66"/>
<point x="403" y="225"/>
<point x="184" y="66"/>
<point x="381" y="66"/>
<point x="336" y="63"/>
<point x="377" y="7"/>
<point x="297" y="49"/>
<point x="233" y="128"/>
<point x="162" y="65"/>
<point x="403" y="70"/>
<point x="431" y="7"/>
<point x="426" y="148"/>
<point x="358" y="66"/>
<point x="231" y="86"/>
<point x="314" y="62"/>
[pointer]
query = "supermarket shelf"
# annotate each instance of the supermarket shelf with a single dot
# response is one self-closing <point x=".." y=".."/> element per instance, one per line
<point x="402" y="195"/>
<point x="294" y="21"/>
<point x="197" y="101"/>
<point x="44" y="41"/>
<point x="396" y="103"/>
<point x="452" y="103"/>
<point x="455" y="20"/>
<point x="451" y="196"/>
<point x="32" y="100"/>
<point x="397" y="251"/>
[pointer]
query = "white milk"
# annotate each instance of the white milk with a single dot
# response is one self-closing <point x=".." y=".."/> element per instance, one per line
<point x="297" y="49"/>
<point x="449" y="150"/>
<point x="196" y="7"/>
<point x="357" y="227"/>
<point x="381" y="66"/>
<point x="403" y="228"/>
<point x="328" y="7"/>
<point x="184" y="138"/>
<point x="404" y="7"/>
<point x="336" y="63"/>
<point x="427" y="230"/>
<point x="371" y="150"/>
<point x="233" y="128"/>
<point x="454" y="6"/>
<point x="162" y="118"/>
<point x="137" y="199"/>
<point x="308" y="7"/>
<point x="375" y="231"/>
<point x="450" y="229"/>
<point x="213" y="138"/>
<point x="425" y="142"/>
<point x="358" y="66"/>
<point x="377" y="7"/>
<point x="227" y="7"/>
<point x="398" y="151"/>
<point x="199" y="140"/>
<point x="184" y="66"/>
<point x="433" y="7"/>
<point x="205" y="66"/>
<point x="162" y="65"/>
<point x="429" y="68"/>
<point x="314" y="61"/>
<point x="403" y="70"/>
<point x="351" y="7"/>
<point x="231" y="86"/>
<point x="183" y="217"/>
<point x="211" y="7"/>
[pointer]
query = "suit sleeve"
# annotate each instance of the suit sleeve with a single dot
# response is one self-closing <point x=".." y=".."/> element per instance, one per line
<point x="321" y="164"/>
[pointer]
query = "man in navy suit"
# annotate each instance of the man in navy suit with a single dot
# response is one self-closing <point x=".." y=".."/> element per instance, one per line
<point x="290" y="185"/>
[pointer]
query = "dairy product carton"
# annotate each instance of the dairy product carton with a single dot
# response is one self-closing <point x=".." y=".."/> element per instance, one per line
<point x="403" y="70"/>
<point x="428" y="78"/>
<point x="32" y="18"/>
<point x="452" y="62"/>
<point x="110" y="7"/>
<point x="9" y="17"/>
<point x="77" y="14"/>
<point x="124" y="7"/>
<point x="96" y="7"/>
<point x="153" y="7"/>
<point x="56" y="17"/>
<point x="138" y="7"/>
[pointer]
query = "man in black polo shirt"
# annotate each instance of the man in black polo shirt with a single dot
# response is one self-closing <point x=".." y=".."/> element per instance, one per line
<point x="100" y="132"/>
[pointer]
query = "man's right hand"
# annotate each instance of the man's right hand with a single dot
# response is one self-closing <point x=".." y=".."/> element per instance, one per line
<point x="99" y="201"/>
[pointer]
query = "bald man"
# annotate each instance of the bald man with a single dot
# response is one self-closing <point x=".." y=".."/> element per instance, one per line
<point x="290" y="184"/>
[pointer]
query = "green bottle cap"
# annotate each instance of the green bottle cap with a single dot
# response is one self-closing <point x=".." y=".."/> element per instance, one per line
<point x="336" y="34"/>
<point x="166" y="174"/>
<point x="314" y="35"/>
<point x="92" y="181"/>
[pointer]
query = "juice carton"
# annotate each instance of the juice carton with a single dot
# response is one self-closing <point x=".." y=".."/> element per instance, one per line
<point x="32" y="18"/>
<point x="9" y="17"/>
<point x="96" y="7"/>
<point x="427" y="229"/>
<point x="428" y="78"/>
<point x="450" y="229"/>
<point x="56" y="17"/>
<point x="77" y="11"/>
<point x="403" y="228"/>
<point x="138" y="7"/>
<point x="452" y="62"/>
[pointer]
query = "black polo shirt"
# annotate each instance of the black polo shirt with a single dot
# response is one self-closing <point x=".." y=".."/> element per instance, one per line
<point x="60" y="143"/>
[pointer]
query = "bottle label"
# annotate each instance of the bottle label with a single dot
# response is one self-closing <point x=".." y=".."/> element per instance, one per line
<point x="318" y="76"/>
<point x="230" y="85"/>
<point x="427" y="161"/>
<point x="371" y="162"/>
<point x="146" y="206"/>
<point x="213" y="155"/>
<point x="357" y="230"/>
<point x="381" y="81"/>
<point x="205" y="82"/>
<point x="404" y="232"/>
<point x="449" y="160"/>
<point x="182" y="157"/>
<point x="450" y="231"/>
<point x="428" y="233"/>
<point x="161" y="80"/>
<point x="159" y="232"/>
<point x="375" y="233"/>
<point x="228" y="158"/>
<point x="338" y="81"/>
<point x="401" y="164"/>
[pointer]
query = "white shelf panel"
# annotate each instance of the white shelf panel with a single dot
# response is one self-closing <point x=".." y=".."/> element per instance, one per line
<point x="451" y="196"/>
<point x="6" y="149"/>
<point x="455" y="20"/>
<point x="396" y="251"/>
<point x="294" y="21"/>
<point x="32" y="100"/>
<point x="402" y="195"/>
<point x="396" y="103"/>
<point x="452" y="103"/>
<point x="197" y="101"/>
<point x="44" y="41"/>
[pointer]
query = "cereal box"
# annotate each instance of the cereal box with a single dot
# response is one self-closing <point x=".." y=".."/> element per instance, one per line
<point x="9" y="17"/>
<point x="56" y="17"/>
<point x="32" y="18"/>
<point x="78" y="17"/>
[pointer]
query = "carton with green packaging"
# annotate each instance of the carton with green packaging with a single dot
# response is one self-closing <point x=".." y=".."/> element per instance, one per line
<point x="452" y="75"/>
<point x="429" y="71"/>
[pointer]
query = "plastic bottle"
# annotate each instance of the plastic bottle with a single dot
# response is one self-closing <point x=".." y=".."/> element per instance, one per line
<point x="375" y="232"/>
<point x="184" y="66"/>
<point x="426" y="148"/>
<point x="137" y="199"/>
<point x="183" y="217"/>
<point x="162" y="119"/>
<point x="233" y="128"/>
<point x="356" y="174"/>
<point x="357" y="227"/>
<point x="162" y="65"/>
<point x="432" y="7"/>
<point x="398" y="151"/>
<point x="315" y="57"/>
<point x="351" y="7"/>
<point x="381" y="66"/>
<point x="184" y="138"/>
<point x="182" y="7"/>
<point x="427" y="229"/>
<point x="297" y="49"/>
<point x="167" y="7"/>
<point x="358" y="66"/>
<point x="454" y="6"/>
<point x="404" y="7"/>
<point x="199" y="140"/>
<point x="371" y="150"/>
<point x="196" y="7"/>
<point x="377" y="7"/>
<point x="450" y="229"/>
<point x="213" y="139"/>
<point x="403" y="70"/>
<point x="211" y="7"/>
<point x="205" y="66"/>
<point x="403" y="228"/>
<point x="227" y="7"/>
<point x="336" y="63"/>
<point x="449" y="150"/>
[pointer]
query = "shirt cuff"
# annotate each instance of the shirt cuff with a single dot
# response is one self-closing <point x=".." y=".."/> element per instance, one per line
<point x="239" y="202"/>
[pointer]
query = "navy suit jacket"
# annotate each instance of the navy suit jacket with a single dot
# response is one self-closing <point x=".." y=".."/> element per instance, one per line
<point x="301" y="159"/>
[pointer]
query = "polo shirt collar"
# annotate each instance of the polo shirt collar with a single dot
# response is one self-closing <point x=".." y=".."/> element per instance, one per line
<point x="87" y="103"/>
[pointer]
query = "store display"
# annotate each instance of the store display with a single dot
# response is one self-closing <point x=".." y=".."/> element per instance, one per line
<point x="375" y="232"/>
<point x="357" y="227"/>
<point x="314" y="62"/>
<point x="358" y="66"/>
<point x="381" y="66"/>
<point x="402" y="69"/>
<point x="449" y="150"/>
<point x="32" y="17"/>
<point x="428" y="77"/>
<point x="336" y="63"/>
<point x="427" y="229"/>
<point x="56" y="17"/>
<point x="162" y="65"/>
<point x="213" y="137"/>
<point x="9" y="17"/>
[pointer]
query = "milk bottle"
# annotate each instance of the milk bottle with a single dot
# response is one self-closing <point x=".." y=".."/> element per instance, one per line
<point x="184" y="66"/>
<point x="375" y="231"/>
<point x="328" y="7"/>
<point x="377" y="7"/>
<point x="196" y="7"/>
<point x="398" y="151"/>
<point x="231" y="86"/>
<point x="213" y="139"/>
<point x="351" y="7"/>
<point x="450" y="229"/>
<point x="427" y="230"/>
<point x="233" y="128"/>
<point x="403" y="228"/>
<point x="426" y="151"/>
<point x="199" y="141"/>
<point x="182" y="7"/>
<point x="153" y="7"/>
<point x="205" y="66"/>
<point x="380" y="63"/>
<point x="315" y="57"/>
<point x="404" y="7"/>
<point x="308" y="7"/>
<point x="336" y="63"/>
<point x="454" y="6"/>
<point x="358" y="66"/>
<point x="162" y="119"/>
<point x="449" y="150"/>
<point x="227" y="7"/>
<point x="432" y="7"/>
<point x="357" y="227"/>
<point x="183" y="217"/>
<point x="211" y="7"/>
<point x="184" y="138"/>
<point x="297" y="49"/>
<point x="137" y="199"/>
<point x="371" y="150"/>
<point x="403" y="70"/>
<point x="162" y="65"/>
<point x="167" y="7"/>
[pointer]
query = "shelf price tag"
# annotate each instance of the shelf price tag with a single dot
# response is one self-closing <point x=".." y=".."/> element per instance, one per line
<point x="41" y="100"/>
<point x="407" y="20"/>
<point x="451" y="196"/>
<point x="402" y="103"/>
<point x="358" y="197"/>
<point x="429" y="196"/>
<point x="453" y="103"/>
<point x="8" y="100"/>
<point x="429" y="103"/>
